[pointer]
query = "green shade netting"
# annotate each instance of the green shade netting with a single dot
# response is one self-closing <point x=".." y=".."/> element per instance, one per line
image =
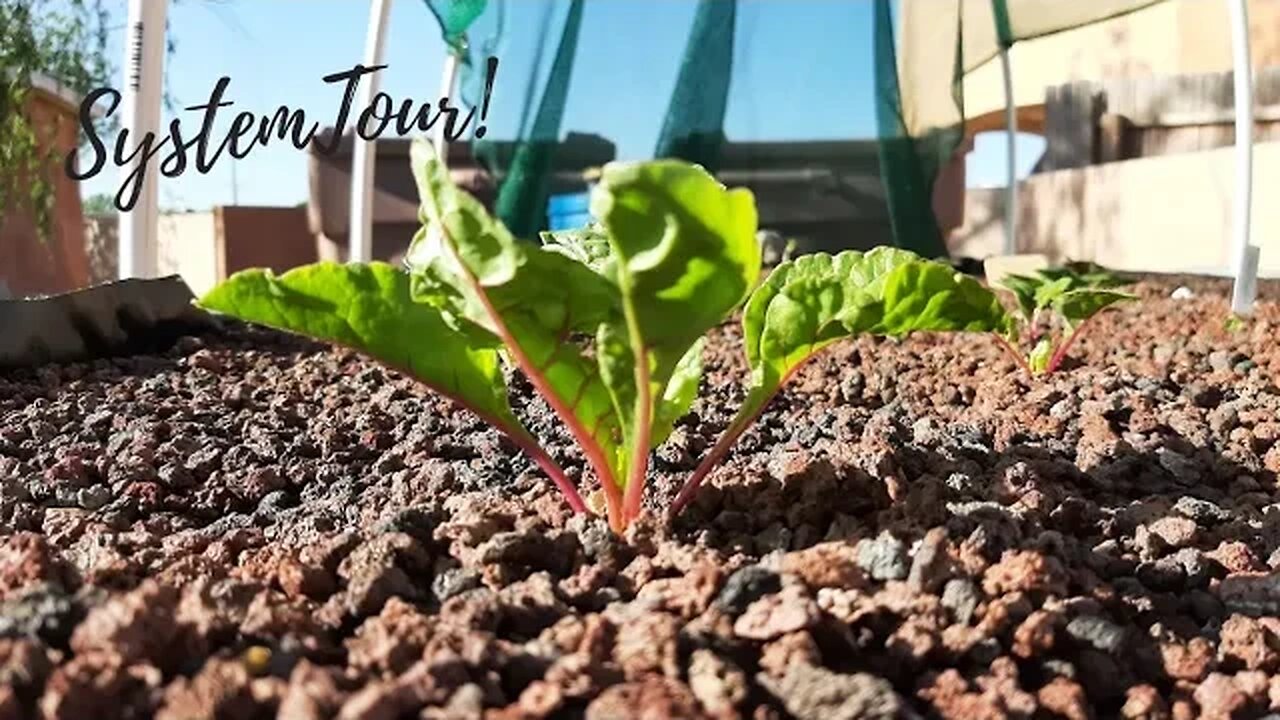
<point x="908" y="164"/>
<point x="523" y="196"/>
<point x="839" y="114"/>
<point x="693" y="128"/>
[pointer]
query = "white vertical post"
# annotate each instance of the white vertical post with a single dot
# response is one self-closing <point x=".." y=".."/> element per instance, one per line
<point x="1011" y="135"/>
<point x="144" y="68"/>
<point x="1244" y="255"/>
<point x="364" y="152"/>
<point x="448" y="79"/>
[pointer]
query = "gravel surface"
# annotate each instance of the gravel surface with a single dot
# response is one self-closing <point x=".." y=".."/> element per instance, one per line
<point x="251" y="525"/>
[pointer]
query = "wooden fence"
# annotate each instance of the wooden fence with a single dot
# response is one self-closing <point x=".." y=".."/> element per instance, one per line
<point x="1087" y="123"/>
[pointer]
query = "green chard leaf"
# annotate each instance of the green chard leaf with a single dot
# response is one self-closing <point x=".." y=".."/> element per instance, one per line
<point x="1040" y="356"/>
<point x="1048" y="292"/>
<point x="686" y="249"/>
<point x="1074" y="293"/>
<point x="815" y="300"/>
<point x="1077" y="306"/>
<point x="1085" y="274"/>
<point x="1024" y="293"/>
<point x="535" y="301"/>
<point x="588" y="245"/>
<point x="367" y="307"/>
<point x="1043" y="290"/>
<point x="684" y="256"/>
<point x="808" y="303"/>
<point x="682" y="390"/>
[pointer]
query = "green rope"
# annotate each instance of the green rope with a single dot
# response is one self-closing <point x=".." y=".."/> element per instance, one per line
<point x="522" y="200"/>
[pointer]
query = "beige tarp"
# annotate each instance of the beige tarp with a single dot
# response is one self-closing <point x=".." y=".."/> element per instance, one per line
<point x="1057" y="41"/>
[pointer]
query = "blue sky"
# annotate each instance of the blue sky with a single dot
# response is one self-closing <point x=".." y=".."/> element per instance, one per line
<point x="802" y="71"/>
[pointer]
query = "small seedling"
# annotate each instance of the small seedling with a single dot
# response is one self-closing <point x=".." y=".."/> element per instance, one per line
<point x="1055" y="306"/>
<point x="606" y="322"/>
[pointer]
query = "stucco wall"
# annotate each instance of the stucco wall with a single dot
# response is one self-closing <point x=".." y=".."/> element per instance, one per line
<point x="204" y="247"/>
<point x="1162" y="214"/>
<point x="187" y="246"/>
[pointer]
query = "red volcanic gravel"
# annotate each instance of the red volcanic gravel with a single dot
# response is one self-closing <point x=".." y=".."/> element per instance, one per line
<point x="251" y="525"/>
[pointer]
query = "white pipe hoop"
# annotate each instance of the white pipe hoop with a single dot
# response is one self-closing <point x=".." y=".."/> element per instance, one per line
<point x="144" y="76"/>
<point x="364" y="152"/>
<point x="1244" y="255"/>
<point x="1011" y="160"/>
<point x="448" y="80"/>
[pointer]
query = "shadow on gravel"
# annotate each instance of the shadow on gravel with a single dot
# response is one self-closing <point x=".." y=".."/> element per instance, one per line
<point x="1139" y="541"/>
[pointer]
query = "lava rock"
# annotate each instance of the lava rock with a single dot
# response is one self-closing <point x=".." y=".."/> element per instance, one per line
<point x="42" y="611"/>
<point x="961" y="596"/>
<point x="524" y="549"/>
<point x="884" y="558"/>
<point x="775" y="615"/>
<point x="931" y="566"/>
<point x="1201" y="511"/>
<point x="598" y="542"/>
<point x="454" y="581"/>
<point x="814" y="693"/>
<point x="1098" y="633"/>
<point x="746" y="586"/>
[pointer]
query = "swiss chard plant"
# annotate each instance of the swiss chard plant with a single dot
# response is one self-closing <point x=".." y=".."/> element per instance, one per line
<point x="606" y="322"/>
<point x="1055" y="306"/>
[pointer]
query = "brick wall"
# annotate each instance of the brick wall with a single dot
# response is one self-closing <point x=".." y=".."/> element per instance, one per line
<point x="29" y="263"/>
<point x="271" y="237"/>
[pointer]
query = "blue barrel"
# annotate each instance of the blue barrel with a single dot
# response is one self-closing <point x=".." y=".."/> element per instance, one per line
<point x="567" y="212"/>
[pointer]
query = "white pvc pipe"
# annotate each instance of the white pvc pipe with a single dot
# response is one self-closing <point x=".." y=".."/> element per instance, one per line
<point x="1244" y="255"/>
<point x="448" y="79"/>
<point x="144" y="68"/>
<point x="364" y="152"/>
<point x="1011" y="136"/>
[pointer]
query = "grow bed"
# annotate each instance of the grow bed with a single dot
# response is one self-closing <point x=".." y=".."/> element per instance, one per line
<point x="252" y="524"/>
